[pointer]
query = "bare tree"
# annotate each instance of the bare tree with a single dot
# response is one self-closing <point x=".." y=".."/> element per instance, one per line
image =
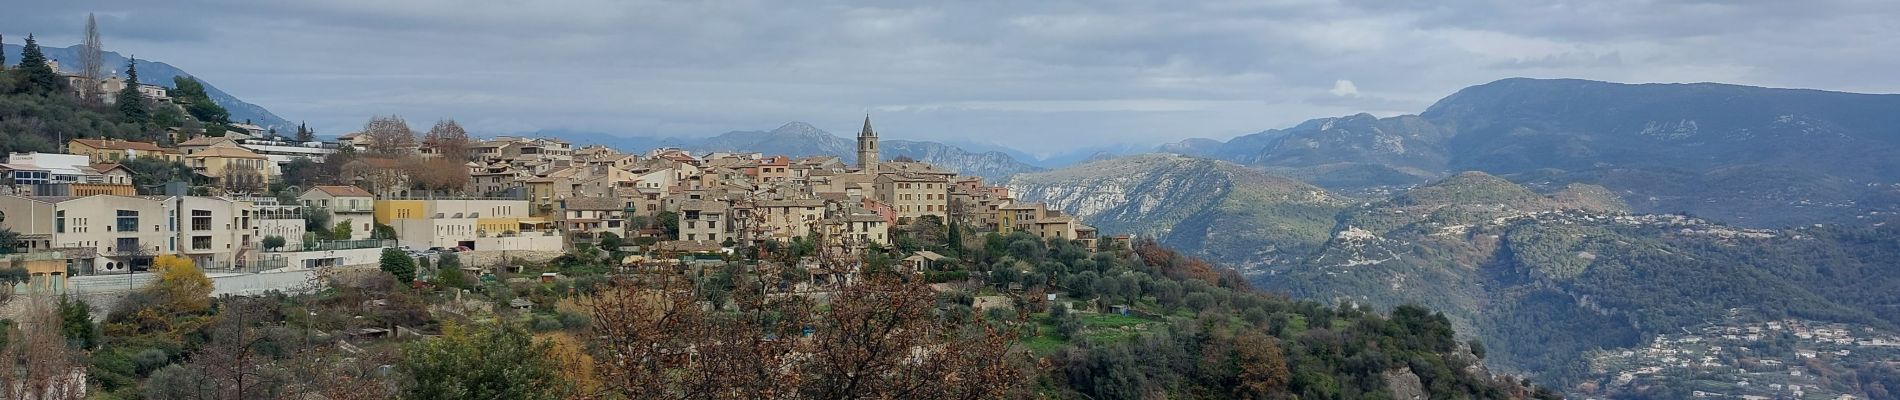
<point x="448" y="140"/>
<point x="879" y="338"/>
<point x="242" y="180"/>
<point x="92" y="64"/>
<point x="36" y="363"/>
<point x="390" y="136"/>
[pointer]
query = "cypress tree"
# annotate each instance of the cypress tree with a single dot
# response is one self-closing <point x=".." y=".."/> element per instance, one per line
<point x="3" y="52"/>
<point x="35" y="75"/>
<point x="304" y="134"/>
<point x="131" y="103"/>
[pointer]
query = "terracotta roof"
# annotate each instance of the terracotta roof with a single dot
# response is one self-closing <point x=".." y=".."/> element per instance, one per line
<point x="343" y="191"/>
<point x="205" y="141"/>
<point x="118" y="144"/>
<point x="226" y="152"/>
<point x="107" y="167"/>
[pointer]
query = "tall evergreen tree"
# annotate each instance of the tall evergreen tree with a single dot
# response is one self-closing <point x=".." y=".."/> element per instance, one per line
<point x="35" y="76"/>
<point x="131" y="103"/>
<point x="304" y="134"/>
<point x="3" y="53"/>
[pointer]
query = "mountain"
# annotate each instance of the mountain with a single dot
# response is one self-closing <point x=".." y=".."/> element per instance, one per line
<point x="1748" y="155"/>
<point x="1218" y="209"/>
<point x="1555" y="282"/>
<point x="1546" y="280"/>
<point x="799" y="139"/>
<point x="160" y="73"/>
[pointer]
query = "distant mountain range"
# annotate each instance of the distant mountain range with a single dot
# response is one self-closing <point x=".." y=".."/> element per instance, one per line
<point x="160" y="73"/>
<point x="1747" y="155"/>
<point x="799" y="139"/>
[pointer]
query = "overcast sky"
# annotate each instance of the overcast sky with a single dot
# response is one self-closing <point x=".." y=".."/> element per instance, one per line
<point x="1041" y="76"/>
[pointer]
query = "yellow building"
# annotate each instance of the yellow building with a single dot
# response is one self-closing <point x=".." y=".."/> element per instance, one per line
<point x="114" y="150"/>
<point x="217" y="161"/>
<point x="391" y="210"/>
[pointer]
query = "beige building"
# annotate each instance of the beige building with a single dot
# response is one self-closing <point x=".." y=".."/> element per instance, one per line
<point x="107" y="233"/>
<point x="914" y="195"/>
<point x="115" y="150"/>
<point x="346" y="204"/>
<point x="787" y="219"/>
<point x="704" y="220"/>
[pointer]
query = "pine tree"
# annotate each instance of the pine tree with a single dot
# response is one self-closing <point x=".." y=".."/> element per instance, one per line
<point x="304" y="134"/>
<point x="35" y="76"/>
<point x="131" y="103"/>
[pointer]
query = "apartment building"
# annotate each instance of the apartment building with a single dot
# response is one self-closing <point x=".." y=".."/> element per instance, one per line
<point x="346" y="204"/>
<point x="787" y="219"/>
<point x="914" y="195"/>
<point x="704" y="220"/>
<point x="472" y="223"/>
<point x="107" y="233"/>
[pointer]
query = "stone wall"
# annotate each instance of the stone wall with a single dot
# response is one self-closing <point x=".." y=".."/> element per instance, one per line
<point x="491" y="258"/>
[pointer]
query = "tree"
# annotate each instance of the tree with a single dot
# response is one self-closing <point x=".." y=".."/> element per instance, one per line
<point x="182" y="287"/>
<point x="3" y="55"/>
<point x="1263" y="369"/>
<point x="131" y="103"/>
<point x="448" y="140"/>
<point x="35" y="77"/>
<point x="868" y="343"/>
<point x="399" y="264"/>
<point x="198" y="103"/>
<point x="389" y="136"/>
<point x="342" y="230"/>
<point x="36" y="362"/>
<point x="304" y="134"/>
<point x="76" y="324"/>
<point x="482" y="362"/>
<point x="440" y="174"/>
<point x="274" y="242"/>
<point x="91" y="64"/>
<point x="449" y="271"/>
<point x="242" y="180"/>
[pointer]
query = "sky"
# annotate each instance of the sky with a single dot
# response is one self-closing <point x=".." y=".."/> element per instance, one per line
<point x="1039" y="76"/>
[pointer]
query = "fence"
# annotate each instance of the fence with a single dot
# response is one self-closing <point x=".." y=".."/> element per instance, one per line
<point x="347" y="244"/>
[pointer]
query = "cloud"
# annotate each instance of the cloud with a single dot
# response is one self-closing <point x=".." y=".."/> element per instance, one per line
<point x="1034" y="75"/>
<point x="1344" y="88"/>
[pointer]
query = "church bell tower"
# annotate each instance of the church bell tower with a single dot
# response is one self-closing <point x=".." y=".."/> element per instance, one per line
<point x="867" y="147"/>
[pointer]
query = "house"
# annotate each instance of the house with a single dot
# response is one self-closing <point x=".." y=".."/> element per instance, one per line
<point x="703" y="220"/>
<point x="346" y="205"/>
<point x="116" y="150"/>
<point x="233" y="166"/>
<point x="201" y="143"/>
<point x="477" y="224"/>
<point x="591" y="215"/>
<point x="923" y="260"/>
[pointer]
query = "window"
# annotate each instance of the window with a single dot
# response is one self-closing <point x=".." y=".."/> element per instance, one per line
<point x="200" y="220"/>
<point x="59" y="221"/>
<point x="127" y="244"/>
<point x="201" y="243"/>
<point x="712" y="224"/>
<point x="128" y="221"/>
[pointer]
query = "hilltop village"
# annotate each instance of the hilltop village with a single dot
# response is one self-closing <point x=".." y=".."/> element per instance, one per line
<point x="523" y="198"/>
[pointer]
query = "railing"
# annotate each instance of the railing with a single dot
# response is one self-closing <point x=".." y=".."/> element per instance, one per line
<point x="326" y="245"/>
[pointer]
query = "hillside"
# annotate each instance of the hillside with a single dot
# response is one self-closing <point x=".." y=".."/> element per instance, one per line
<point x="1747" y="155"/>
<point x="159" y="73"/>
<point x="1544" y="276"/>
<point x="1547" y="279"/>
<point x="1215" y="209"/>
